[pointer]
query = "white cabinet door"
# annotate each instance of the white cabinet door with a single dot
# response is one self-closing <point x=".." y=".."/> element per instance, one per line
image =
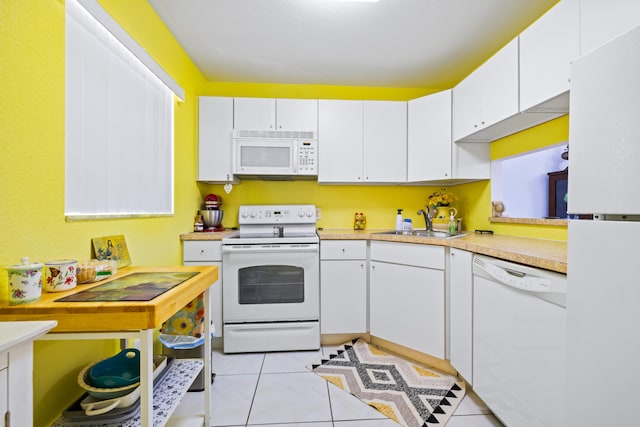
<point x="466" y="106"/>
<point x="343" y="296"/>
<point x="340" y="141"/>
<point x="487" y="96"/>
<point x="461" y="312"/>
<point x="215" y="125"/>
<point x="385" y="141"/>
<point x="196" y="252"/>
<point x="546" y="49"/>
<point x="254" y="113"/>
<point x="604" y="129"/>
<point x="602" y="21"/>
<point x="406" y="306"/>
<point x="297" y="114"/>
<point x="429" y="137"/>
<point x="499" y="78"/>
<point x="4" y="388"/>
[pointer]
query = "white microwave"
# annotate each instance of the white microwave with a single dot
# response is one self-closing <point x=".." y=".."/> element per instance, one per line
<point x="275" y="153"/>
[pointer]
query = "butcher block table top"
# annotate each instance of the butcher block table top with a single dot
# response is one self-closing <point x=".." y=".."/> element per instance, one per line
<point x="106" y="316"/>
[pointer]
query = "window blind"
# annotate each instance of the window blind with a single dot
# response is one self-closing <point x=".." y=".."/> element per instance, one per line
<point x="119" y="127"/>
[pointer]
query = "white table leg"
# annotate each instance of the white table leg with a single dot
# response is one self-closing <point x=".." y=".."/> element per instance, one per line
<point x="146" y="377"/>
<point x="207" y="360"/>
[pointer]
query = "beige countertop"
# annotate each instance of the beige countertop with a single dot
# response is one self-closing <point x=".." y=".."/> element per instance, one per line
<point x="547" y="254"/>
<point x="541" y="253"/>
<point x="208" y="235"/>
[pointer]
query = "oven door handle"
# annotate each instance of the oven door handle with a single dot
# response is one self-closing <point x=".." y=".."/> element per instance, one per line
<point x="254" y="249"/>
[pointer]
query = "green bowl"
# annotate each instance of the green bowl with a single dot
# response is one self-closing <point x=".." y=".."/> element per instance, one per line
<point x="121" y="370"/>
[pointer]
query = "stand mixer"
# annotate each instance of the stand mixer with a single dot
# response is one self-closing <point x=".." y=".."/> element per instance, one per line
<point x="211" y="213"/>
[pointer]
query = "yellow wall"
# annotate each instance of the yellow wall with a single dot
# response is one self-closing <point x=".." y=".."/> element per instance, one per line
<point x="32" y="164"/>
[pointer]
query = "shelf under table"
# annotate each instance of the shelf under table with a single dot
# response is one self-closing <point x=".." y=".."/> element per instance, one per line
<point x="166" y="395"/>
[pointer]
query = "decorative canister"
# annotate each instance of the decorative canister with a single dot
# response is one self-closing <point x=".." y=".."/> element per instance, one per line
<point x="60" y="275"/>
<point x="25" y="282"/>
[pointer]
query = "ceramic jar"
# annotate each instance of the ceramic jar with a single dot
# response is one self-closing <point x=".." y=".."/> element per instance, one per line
<point x="25" y="282"/>
<point x="60" y="275"/>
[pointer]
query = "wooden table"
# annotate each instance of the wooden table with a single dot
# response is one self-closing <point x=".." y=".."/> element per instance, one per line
<point x="124" y="319"/>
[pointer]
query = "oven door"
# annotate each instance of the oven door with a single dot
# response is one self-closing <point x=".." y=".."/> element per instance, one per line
<point x="266" y="283"/>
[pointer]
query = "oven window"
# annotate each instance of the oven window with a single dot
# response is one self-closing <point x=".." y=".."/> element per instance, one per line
<point x="271" y="284"/>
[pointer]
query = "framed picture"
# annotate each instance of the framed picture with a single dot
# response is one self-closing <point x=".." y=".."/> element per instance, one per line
<point x="113" y="248"/>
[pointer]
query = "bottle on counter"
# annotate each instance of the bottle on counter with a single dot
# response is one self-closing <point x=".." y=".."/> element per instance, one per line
<point x="198" y="224"/>
<point x="407" y="224"/>
<point x="452" y="224"/>
<point x="399" y="220"/>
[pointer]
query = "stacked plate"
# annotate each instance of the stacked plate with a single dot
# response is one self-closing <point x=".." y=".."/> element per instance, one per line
<point x="112" y="404"/>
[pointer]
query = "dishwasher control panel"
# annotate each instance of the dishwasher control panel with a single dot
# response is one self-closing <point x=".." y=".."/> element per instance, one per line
<point x="519" y="276"/>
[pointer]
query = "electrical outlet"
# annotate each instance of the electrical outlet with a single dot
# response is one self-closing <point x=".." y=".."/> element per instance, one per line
<point x="318" y="214"/>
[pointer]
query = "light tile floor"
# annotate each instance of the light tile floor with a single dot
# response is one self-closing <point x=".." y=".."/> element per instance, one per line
<point x="277" y="390"/>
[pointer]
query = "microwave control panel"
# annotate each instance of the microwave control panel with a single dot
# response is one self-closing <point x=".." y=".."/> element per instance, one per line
<point x="308" y="157"/>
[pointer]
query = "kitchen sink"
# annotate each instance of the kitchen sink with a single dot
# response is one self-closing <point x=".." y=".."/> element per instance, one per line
<point x="422" y="233"/>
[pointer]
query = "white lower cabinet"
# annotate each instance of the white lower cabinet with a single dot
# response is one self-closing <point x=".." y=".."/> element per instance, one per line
<point x="208" y="252"/>
<point x="406" y="300"/>
<point x="460" y="286"/>
<point x="16" y="370"/>
<point x="343" y="286"/>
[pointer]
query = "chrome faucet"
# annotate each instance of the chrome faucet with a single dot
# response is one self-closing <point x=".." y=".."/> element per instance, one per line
<point x="428" y="218"/>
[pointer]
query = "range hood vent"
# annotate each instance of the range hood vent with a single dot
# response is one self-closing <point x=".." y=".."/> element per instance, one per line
<point x="273" y="134"/>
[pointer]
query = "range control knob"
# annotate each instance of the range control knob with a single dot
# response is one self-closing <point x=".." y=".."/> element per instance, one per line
<point x="309" y="213"/>
<point x="253" y="214"/>
<point x="301" y="213"/>
<point x="244" y="214"/>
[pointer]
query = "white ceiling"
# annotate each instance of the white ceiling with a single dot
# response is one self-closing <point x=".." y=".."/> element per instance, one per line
<point x="392" y="43"/>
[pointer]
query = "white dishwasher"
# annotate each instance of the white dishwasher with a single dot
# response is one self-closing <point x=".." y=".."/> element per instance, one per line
<point x="519" y="342"/>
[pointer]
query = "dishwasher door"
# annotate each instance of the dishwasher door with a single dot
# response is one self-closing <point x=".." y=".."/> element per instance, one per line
<point x="519" y="342"/>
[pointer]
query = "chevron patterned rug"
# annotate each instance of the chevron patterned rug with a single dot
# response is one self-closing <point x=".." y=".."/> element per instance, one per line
<point x="410" y="394"/>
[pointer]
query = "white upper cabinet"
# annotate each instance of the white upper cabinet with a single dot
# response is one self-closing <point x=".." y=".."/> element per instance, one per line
<point x="602" y="21"/>
<point x="276" y="114"/>
<point x="385" y="141"/>
<point x="487" y="96"/>
<point x="340" y="141"/>
<point x="297" y="114"/>
<point x="254" y="113"/>
<point x="362" y="141"/>
<point x="546" y="49"/>
<point x="215" y="125"/>
<point x="429" y="137"/>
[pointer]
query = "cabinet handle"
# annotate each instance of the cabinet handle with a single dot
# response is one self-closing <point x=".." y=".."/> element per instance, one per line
<point x="201" y="251"/>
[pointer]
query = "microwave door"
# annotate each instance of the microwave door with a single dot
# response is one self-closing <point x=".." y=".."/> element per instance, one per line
<point x="264" y="157"/>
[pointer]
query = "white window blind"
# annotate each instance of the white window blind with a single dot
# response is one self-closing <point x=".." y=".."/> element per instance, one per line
<point x="119" y="127"/>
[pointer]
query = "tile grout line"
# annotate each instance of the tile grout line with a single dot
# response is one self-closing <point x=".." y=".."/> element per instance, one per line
<point x="255" y="390"/>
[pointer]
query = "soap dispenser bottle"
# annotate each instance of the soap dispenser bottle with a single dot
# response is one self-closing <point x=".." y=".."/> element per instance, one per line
<point x="399" y="220"/>
<point x="452" y="224"/>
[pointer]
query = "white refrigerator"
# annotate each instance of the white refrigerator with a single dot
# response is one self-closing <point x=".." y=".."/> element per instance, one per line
<point x="603" y="288"/>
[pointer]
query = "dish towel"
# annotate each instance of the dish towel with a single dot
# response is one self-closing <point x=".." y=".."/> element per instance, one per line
<point x="185" y="329"/>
